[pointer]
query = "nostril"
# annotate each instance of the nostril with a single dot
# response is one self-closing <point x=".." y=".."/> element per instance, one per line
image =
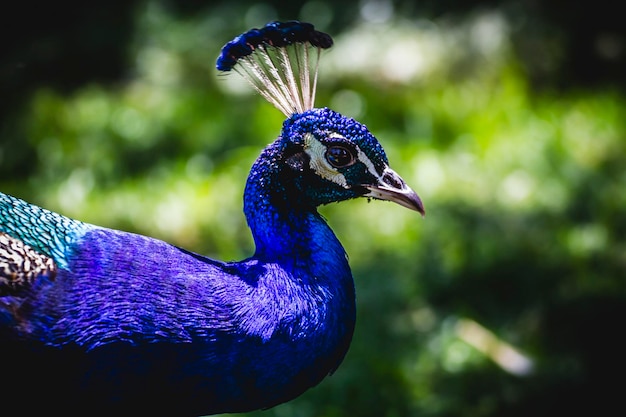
<point x="392" y="180"/>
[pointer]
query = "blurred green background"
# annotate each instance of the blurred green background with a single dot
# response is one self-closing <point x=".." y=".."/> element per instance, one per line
<point x="507" y="117"/>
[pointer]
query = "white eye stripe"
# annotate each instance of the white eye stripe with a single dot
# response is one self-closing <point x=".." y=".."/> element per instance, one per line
<point x="367" y="162"/>
<point x="335" y="135"/>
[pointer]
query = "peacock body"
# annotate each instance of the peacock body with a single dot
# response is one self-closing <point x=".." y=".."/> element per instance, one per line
<point x="116" y="320"/>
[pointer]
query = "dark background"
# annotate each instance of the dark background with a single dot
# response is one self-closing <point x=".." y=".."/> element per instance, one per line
<point x="545" y="278"/>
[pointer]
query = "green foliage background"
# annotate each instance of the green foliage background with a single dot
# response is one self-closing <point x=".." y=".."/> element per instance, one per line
<point x="503" y="301"/>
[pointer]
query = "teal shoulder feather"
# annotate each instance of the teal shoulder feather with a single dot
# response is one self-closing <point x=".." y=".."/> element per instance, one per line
<point x="46" y="232"/>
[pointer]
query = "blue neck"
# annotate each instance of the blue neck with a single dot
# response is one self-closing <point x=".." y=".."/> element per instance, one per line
<point x="292" y="235"/>
<point x="284" y="228"/>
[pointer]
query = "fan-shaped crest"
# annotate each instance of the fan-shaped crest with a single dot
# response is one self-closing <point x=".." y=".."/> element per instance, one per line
<point x="280" y="60"/>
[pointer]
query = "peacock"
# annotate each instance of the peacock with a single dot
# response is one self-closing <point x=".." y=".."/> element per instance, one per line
<point x="96" y="320"/>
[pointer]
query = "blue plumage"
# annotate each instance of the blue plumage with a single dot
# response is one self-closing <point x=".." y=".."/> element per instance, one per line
<point x="121" y="320"/>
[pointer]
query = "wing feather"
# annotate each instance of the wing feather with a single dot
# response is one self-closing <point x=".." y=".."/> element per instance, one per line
<point x="21" y="265"/>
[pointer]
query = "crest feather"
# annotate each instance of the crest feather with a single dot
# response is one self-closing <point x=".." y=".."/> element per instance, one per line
<point x="280" y="61"/>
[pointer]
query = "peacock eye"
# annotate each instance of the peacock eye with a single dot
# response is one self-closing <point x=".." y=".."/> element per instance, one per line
<point x="339" y="156"/>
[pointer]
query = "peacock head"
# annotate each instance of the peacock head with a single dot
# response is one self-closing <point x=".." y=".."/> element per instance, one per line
<point x="335" y="158"/>
<point x="329" y="157"/>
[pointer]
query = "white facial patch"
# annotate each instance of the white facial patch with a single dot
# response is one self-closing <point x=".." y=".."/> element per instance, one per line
<point x="317" y="153"/>
<point x="367" y="162"/>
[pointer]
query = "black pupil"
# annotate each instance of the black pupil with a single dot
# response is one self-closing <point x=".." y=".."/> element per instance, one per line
<point x="338" y="156"/>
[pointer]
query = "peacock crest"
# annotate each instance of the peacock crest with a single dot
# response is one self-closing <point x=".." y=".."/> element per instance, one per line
<point x="280" y="61"/>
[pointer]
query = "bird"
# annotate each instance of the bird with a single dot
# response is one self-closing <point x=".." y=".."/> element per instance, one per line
<point x="94" y="319"/>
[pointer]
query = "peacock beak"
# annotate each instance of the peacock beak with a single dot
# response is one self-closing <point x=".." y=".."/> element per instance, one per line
<point x="392" y="187"/>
